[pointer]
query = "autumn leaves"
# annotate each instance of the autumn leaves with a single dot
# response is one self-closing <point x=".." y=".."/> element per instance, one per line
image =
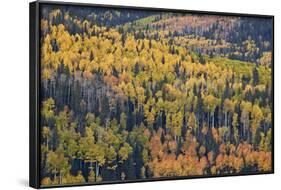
<point x="117" y="106"/>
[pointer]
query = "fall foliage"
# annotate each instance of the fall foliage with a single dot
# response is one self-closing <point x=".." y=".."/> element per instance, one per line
<point x="130" y="94"/>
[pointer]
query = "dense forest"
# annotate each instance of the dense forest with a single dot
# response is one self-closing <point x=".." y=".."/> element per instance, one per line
<point x="133" y="94"/>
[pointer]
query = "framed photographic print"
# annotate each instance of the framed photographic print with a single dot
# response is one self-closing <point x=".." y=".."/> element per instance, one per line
<point x="130" y="94"/>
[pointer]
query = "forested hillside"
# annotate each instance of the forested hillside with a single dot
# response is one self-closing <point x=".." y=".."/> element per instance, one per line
<point x="130" y="94"/>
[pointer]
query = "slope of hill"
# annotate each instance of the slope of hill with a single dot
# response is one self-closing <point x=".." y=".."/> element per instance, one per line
<point x="142" y="99"/>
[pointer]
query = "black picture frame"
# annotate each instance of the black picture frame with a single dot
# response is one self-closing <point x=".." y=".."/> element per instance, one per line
<point x="34" y="89"/>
